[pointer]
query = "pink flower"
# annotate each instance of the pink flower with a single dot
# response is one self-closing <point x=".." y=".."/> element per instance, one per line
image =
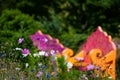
<point x="79" y="59"/>
<point x="90" y="67"/>
<point x="25" y="52"/>
<point x="20" y="40"/>
<point x="92" y="75"/>
<point x="39" y="74"/>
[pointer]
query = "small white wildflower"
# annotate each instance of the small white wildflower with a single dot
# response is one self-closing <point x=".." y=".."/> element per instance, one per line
<point x="56" y="57"/>
<point x="97" y="75"/>
<point x="110" y="77"/>
<point x="17" y="69"/>
<point x="26" y="65"/>
<point x="36" y="55"/>
<point x="18" y="49"/>
<point x="83" y="77"/>
<point x="69" y="65"/>
<point x="40" y="64"/>
<point x="42" y="53"/>
<point x="52" y="52"/>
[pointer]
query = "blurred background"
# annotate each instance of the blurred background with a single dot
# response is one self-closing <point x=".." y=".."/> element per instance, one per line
<point x="71" y="21"/>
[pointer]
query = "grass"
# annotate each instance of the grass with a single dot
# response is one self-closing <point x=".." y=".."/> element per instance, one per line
<point x="10" y="71"/>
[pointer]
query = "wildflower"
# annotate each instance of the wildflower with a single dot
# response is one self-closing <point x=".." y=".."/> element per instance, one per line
<point x="40" y="64"/>
<point x="18" y="48"/>
<point x="47" y="75"/>
<point x="97" y="67"/>
<point x="90" y="67"/>
<point x="39" y="74"/>
<point x="79" y="59"/>
<point x="44" y="67"/>
<point x="91" y="75"/>
<point x="69" y="65"/>
<point x="45" y="42"/>
<point x="46" y="54"/>
<point x="20" y="40"/>
<point x="25" y="52"/>
<point x="17" y="69"/>
<point x="52" y="52"/>
<point x="83" y="77"/>
<point x="26" y="65"/>
<point x="52" y="73"/>
<point x="42" y="53"/>
<point x="36" y="55"/>
<point x="110" y="78"/>
<point x="81" y="68"/>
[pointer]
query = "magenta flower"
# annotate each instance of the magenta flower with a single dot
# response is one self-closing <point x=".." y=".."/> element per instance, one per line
<point x="90" y="67"/>
<point x="81" y="68"/>
<point x="20" y="40"/>
<point x="46" y="43"/>
<point x="25" y="52"/>
<point x="92" y="75"/>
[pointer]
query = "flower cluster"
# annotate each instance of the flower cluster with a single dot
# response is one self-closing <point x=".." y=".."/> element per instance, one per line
<point x="47" y="48"/>
<point x="46" y="43"/>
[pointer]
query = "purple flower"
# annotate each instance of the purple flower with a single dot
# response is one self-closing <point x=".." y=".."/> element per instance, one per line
<point x="46" y="43"/>
<point x="90" y="67"/>
<point x="44" y="67"/>
<point x="97" y="67"/>
<point x="20" y="40"/>
<point x="92" y="75"/>
<point x="25" y="52"/>
<point x="39" y="74"/>
<point x="81" y="68"/>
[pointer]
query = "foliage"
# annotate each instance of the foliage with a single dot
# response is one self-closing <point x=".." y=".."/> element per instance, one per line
<point x="14" y="25"/>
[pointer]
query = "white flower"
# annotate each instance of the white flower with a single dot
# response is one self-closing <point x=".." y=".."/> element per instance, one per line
<point x="18" y="48"/>
<point x="41" y="53"/>
<point x="110" y="77"/>
<point x="69" y="65"/>
<point x="52" y="52"/>
<point x="26" y="65"/>
<point x="36" y="55"/>
<point x="40" y="64"/>
<point x="17" y="69"/>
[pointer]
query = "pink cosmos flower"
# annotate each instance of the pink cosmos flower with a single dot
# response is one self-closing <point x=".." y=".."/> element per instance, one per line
<point x="90" y="67"/>
<point x="20" y="40"/>
<point x="25" y="52"/>
<point x="46" y="43"/>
